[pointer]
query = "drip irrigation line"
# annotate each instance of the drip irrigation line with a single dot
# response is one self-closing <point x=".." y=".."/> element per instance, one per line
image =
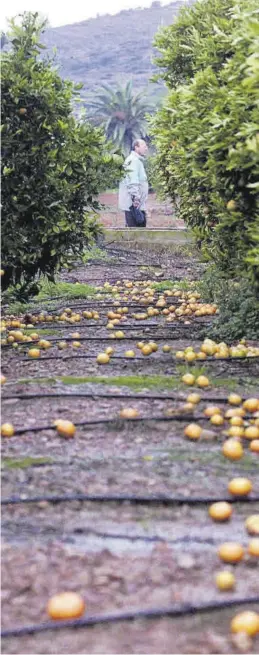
<point x="112" y="396"/>
<point x="115" y="419"/>
<point x="130" y="615"/>
<point x="59" y="326"/>
<point x="129" y="498"/>
<point x="143" y="358"/>
<point x="93" y="357"/>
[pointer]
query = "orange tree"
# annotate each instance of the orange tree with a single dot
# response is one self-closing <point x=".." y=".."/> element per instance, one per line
<point x="53" y="167"/>
<point x="207" y="135"/>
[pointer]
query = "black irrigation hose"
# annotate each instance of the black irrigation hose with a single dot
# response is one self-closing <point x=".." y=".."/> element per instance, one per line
<point x="142" y="358"/>
<point x="129" y="498"/>
<point x="115" y="419"/>
<point x="130" y="615"/>
<point x="112" y="396"/>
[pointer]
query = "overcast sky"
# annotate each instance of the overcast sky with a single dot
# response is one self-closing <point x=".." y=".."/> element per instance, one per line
<point x="62" y="13"/>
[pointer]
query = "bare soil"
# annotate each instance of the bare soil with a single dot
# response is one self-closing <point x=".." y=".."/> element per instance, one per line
<point x="120" y="555"/>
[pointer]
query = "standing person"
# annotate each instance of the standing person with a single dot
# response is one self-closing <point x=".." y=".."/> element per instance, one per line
<point x="133" y="190"/>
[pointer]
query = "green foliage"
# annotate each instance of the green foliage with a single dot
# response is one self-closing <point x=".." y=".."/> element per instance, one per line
<point x="122" y="114"/>
<point x="238" y="307"/>
<point x="52" y="167"/>
<point x="207" y="132"/>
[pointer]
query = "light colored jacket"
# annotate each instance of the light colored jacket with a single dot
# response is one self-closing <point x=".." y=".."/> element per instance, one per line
<point x="134" y="183"/>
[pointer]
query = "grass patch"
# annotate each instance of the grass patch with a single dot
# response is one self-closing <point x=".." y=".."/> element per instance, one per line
<point x="132" y="381"/>
<point x="44" y="332"/>
<point x="24" y="463"/>
<point x="36" y="381"/>
<point x="62" y="290"/>
<point x="182" y="285"/>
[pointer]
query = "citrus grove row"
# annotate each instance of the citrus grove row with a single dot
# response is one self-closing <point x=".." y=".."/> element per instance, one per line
<point x="205" y="154"/>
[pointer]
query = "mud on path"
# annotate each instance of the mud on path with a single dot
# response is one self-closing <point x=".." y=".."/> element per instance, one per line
<point x="121" y="555"/>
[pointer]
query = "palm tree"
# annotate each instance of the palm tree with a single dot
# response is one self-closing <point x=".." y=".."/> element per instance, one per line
<point x="122" y="113"/>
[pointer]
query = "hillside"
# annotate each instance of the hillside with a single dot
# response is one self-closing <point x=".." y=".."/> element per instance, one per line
<point x="111" y="49"/>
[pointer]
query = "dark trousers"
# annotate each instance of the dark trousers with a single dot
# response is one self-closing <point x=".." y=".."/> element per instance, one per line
<point x="130" y="221"/>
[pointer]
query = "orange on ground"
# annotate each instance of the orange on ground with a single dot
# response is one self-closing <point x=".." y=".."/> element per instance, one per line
<point x="251" y="404"/>
<point x="240" y="486"/>
<point x="253" y="547"/>
<point x="252" y="524"/>
<point x="231" y="552"/>
<point x="225" y="580"/>
<point x="247" y="622"/>
<point x="65" y="428"/>
<point x="233" y="449"/>
<point x="193" y="431"/>
<point x="67" y="605"/>
<point x="220" y="511"/>
<point x="7" y="430"/>
<point x="129" y="412"/>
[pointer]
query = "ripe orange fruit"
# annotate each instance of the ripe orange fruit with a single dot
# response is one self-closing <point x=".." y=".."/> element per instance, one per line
<point x="190" y="356"/>
<point x="146" y="350"/>
<point x="140" y="345"/>
<point x="235" y="411"/>
<point x="231" y="552"/>
<point x="225" y="580"/>
<point x="240" y="486"/>
<point x="2" y="379"/>
<point x="253" y="547"/>
<point x="234" y="399"/>
<point x="194" y="398"/>
<point x="252" y="432"/>
<point x="193" y="431"/>
<point x="247" y="622"/>
<point x="188" y="379"/>
<point x="202" y="381"/>
<point x="34" y="353"/>
<point x="252" y="524"/>
<point x="103" y="358"/>
<point x="44" y="344"/>
<point x="220" y="511"/>
<point x="217" y="419"/>
<point x="236" y="420"/>
<point x="251" y="405"/>
<point x="119" y="334"/>
<point x="233" y="449"/>
<point x="129" y="354"/>
<point x="67" y="605"/>
<point x="179" y="354"/>
<point x="22" y="111"/>
<point x="211" y="410"/>
<point x="109" y="351"/>
<point x="65" y="428"/>
<point x="7" y="430"/>
<point x="236" y="431"/>
<point x="129" y="412"/>
<point x="254" y="446"/>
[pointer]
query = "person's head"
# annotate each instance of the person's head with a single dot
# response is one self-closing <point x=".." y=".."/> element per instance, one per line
<point x="140" y="147"/>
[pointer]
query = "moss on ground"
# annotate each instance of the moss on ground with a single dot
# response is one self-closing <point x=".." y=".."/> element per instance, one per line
<point x="131" y="381"/>
<point x="64" y="290"/>
<point x="12" y="463"/>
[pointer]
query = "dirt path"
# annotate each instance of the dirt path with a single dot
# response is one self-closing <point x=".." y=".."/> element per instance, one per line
<point x="121" y="555"/>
